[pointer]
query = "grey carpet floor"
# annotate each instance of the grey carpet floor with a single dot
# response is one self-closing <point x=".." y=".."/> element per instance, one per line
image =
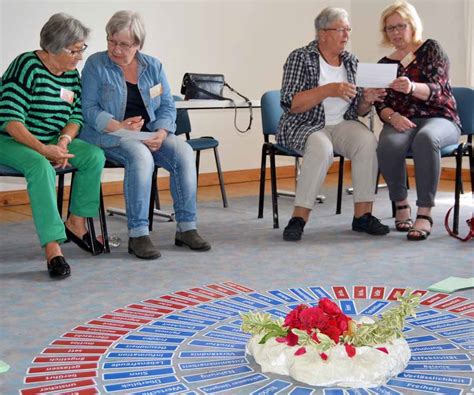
<point x="247" y="250"/>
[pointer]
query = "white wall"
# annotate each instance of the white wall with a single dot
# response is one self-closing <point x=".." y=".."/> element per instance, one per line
<point x="247" y="41"/>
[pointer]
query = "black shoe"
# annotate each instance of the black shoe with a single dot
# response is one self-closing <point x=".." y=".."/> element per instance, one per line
<point x="58" y="268"/>
<point x="191" y="239"/>
<point x="294" y="229"/>
<point x="143" y="248"/>
<point x="85" y="242"/>
<point x="369" y="224"/>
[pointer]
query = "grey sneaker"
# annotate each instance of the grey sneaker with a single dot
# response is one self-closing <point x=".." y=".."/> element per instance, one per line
<point x="143" y="248"/>
<point x="191" y="239"/>
<point x="369" y="224"/>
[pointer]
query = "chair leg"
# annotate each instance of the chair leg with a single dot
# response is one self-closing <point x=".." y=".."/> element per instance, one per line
<point x="154" y="187"/>
<point x="274" y="190"/>
<point x="198" y="159"/>
<point x="457" y="189"/>
<point x="393" y="209"/>
<point x="340" y="184"/>
<point x="221" y="177"/>
<point x="60" y="195"/>
<point x="263" y="170"/>
<point x="157" y="193"/>
<point x="103" y="223"/>
<point x="377" y="182"/>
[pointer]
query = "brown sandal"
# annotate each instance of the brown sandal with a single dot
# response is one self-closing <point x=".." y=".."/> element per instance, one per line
<point x="403" y="225"/>
<point x="416" y="234"/>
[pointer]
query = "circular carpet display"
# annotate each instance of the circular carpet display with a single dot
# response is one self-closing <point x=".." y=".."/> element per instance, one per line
<point x="190" y="342"/>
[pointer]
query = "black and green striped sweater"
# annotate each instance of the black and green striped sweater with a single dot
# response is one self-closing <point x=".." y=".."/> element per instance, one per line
<point x="31" y="94"/>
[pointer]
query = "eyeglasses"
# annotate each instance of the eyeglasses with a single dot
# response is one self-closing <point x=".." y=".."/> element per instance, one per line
<point x="340" y="30"/>
<point x="123" y="46"/>
<point x="73" y="52"/>
<point x="399" y="28"/>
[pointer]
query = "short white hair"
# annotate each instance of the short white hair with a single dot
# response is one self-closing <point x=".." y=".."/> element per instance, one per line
<point x="328" y="16"/>
<point x="61" y="31"/>
<point x="127" y="20"/>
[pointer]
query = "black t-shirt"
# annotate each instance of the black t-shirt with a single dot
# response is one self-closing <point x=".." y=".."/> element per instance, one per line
<point x="135" y="106"/>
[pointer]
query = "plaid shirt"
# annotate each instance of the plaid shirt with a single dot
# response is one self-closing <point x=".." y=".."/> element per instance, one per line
<point x="431" y="67"/>
<point x="301" y="73"/>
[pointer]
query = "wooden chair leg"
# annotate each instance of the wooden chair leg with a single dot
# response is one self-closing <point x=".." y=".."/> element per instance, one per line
<point x="261" y="195"/>
<point x="221" y="177"/>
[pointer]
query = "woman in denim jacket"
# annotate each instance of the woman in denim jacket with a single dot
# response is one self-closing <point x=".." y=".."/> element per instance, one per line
<point x="125" y="89"/>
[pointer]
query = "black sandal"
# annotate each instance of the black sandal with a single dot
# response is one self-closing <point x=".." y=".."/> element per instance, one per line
<point x="421" y="234"/>
<point x="403" y="225"/>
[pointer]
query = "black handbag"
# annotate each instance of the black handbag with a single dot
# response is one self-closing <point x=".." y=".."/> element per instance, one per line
<point x="211" y="87"/>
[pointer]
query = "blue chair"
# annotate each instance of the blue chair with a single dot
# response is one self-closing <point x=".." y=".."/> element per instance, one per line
<point x="271" y="113"/>
<point x="6" y="171"/>
<point x="183" y="126"/>
<point x="465" y="104"/>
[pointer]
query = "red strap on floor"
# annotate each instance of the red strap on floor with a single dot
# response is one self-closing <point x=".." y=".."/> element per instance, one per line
<point x="470" y="224"/>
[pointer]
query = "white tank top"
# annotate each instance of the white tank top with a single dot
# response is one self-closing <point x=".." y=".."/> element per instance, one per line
<point x="334" y="107"/>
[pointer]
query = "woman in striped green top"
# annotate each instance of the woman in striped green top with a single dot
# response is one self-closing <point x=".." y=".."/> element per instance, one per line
<point x="40" y="116"/>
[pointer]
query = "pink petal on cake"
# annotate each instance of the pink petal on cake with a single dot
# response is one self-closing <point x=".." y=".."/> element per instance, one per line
<point x="300" y="351"/>
<point x="323" y="356"/>
<point x="383" y="349"/>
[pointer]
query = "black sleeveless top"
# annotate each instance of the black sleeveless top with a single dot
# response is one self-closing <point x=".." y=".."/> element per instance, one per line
<point x="135" y="105"/>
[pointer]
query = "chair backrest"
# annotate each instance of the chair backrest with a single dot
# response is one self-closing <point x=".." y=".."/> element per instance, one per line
<point x="183" y="124"/>
<point x="271" y="111"/>
<point x="465" y="102"/>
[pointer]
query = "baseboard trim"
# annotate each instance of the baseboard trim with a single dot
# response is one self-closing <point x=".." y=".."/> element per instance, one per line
<point x="20" y="197"/>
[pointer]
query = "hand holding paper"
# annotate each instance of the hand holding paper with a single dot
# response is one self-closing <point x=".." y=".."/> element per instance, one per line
<point x="375" y="75"/>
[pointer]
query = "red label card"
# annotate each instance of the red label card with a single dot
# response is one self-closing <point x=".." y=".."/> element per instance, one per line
<point x="127" y="319"/>
<point x="79" y="343"/>
<point x="90" y="336"/>
<point x="138" y="313"/>
<point x="207" y="292"/>
<point x="420" y="292"/>
<point x="217" y="287"/>
<point x="149" y="308"/>
<point x="85" y="391"/>
<point x="450" y="302"/>
<point x="470" y="314"/>
<point x="463" y="308"/>
<point x="74" y="351"/>
<point x="60" y="377"/>
<point x="340" y="292"/>
<point x="179" y="300"/>
<point x="100" y="330"/>
<point x="238" y="287"/>
<point x="62" y="368"/>
<point x="377" y="292"/>
<point x="433" y="299"/>
<point x="360" y="292"/>
<point x="113" y="324"/>
<point x="188" y="295"/>
<point x="165" y="304"/>
<point x="395" y="293"/>
<point x="57" y="387"/>
<point x="79" y="358"/>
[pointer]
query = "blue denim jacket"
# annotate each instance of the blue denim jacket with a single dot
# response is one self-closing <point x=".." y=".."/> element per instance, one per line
<point x="104" y="97"/>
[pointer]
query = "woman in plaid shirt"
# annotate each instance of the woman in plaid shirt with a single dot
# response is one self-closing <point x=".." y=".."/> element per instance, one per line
<point x="320" y="110"/>
<point x="420" y="116"/>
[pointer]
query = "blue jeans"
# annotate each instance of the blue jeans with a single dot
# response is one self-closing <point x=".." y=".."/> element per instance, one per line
<point x="176" y="156"/>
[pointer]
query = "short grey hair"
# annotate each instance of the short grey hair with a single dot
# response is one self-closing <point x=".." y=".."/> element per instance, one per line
<point x="62" y="31"/>
<point x="127" y="20"/>
<point x="328" y="16"/>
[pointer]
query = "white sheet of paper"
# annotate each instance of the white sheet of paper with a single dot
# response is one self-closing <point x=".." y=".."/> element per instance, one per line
<point x="375" y="75"/>
<point x="128" y="134"/>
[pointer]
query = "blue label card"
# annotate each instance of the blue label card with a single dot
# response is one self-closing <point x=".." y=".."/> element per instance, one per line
<point x="140" y="384"/>
<point x="216" y="374"/>
<point x="137" y="364"/>
<point x="236" y="323"/>
<point x="302" y="294"/>
<point x="301" y="391"/>
<point x="449" y="324"/>
<point x="133" y="355"/>
<point x="217" y="344"/>
<point x="218" y="310"/>
<point x="212" y="364"/>
<point x="156" y="347"/>
<point x="320" y="292"/>
<point x="277" y="313"/>
<point x="138" y="373"/>
<point x="438" y="318"/>
<point x="333" y="391"/>
<point x="204" y="314"/>
<point x="437" y="347"/>
<point x="435" y="378"/>
<point x="461" y="340"/>
<point x="234" y="306"/>
<point x="211" y="354"/>
<point x="421" y="339"/>
<point x="265" y="299"/>
<point x="189" y="319"/>
<point x="283" y="296"/>
<point x="385" y="391"/>
<point x="156" y="339"/>
<point x="172" y="332"/>
<point x="424" y="387"/>
<point x="468" y="347"/>
<point x="168" y="324"/>
<point x="358" y="391"/>
<point x="374" y="308"/>
<point x="232" y="384"/>
<point x="247" y="302"/>
<point x="456" y="332"/>
<point x="226" y="336"/>
<point x="446" y="357"/>
<point x="348" y="307"/>
<point x="171" y="389"/>
<point x="275" y="387"/>
<point x="232" y="329"/>
<point x="439" y="367"/>
<point x="407" y="329"/>
<point x="421" y="314"/>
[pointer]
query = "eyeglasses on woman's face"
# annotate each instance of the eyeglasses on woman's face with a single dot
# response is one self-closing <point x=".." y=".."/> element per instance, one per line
<point x="399" y="28"/>
<point x="75" y="52"/>
<point x="340" y="30"/>
<point x="122" y="45"/>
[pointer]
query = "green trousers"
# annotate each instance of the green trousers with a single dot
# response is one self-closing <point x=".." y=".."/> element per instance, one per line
<point x="40" y="176"/>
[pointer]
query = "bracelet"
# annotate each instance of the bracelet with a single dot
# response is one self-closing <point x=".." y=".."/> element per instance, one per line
<point x="66" y="136"/>
<point x="389" y="118"/>
<point x="412" y="89"/>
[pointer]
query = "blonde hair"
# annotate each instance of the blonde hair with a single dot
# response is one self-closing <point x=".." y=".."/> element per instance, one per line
<point x="409" y="14"/>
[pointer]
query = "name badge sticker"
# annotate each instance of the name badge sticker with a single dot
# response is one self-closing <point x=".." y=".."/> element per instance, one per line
<point x="156" y="90"/>
<point x="66" y="95"/>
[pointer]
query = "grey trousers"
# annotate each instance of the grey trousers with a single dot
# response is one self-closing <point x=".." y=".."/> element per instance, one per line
<point x="354" y="141"/>
<point x="424" y="143"/>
